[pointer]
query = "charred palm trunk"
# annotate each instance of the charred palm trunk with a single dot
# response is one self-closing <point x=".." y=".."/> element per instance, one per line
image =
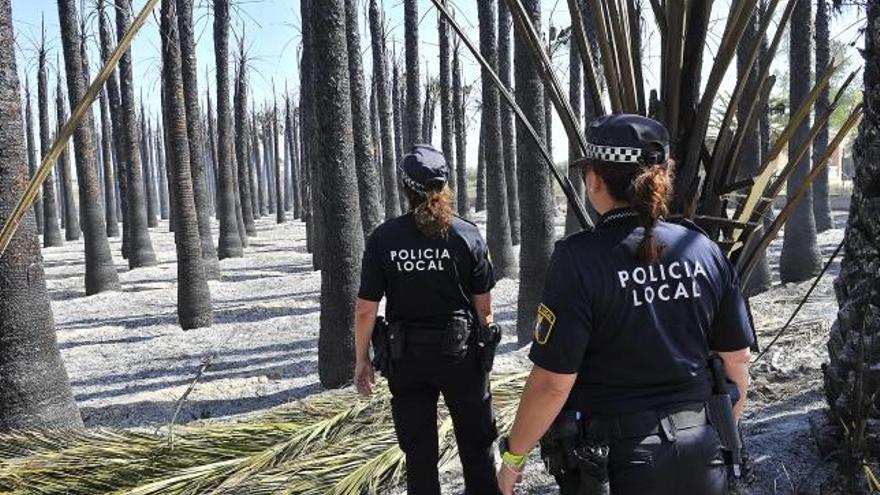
<point x="35" y="392"/>
<point x="193" y="295"/>
<point x="70" y="220"/>
<point x="447" y="114"/>
<point x="258" y="165"/>
<point x="575" y="92"/>
<point x="821" y="197"/>
<point x="497" y="219"/>
<point x="280" y="216"/>
<point x="51" y="228"/>
<point x="140" y="252"/>
<point x="341" y="217"/>
<point x="369" y="195"/>
<point x="164" y="196"/>
<point x="397" y="103"/>
<point x="230" y="245"/>
<point x="536" y="201"/>
<point x="241" y="144"/>
<point x="750" y="155"/>
<point x="386" y="113"/>
<point x="290" y="137"/>
<point x="413" y="116"/>
<point x="120" y="149"/>
<point x="110" y="217"/>
<point x="481" y="166"/>
<point x="149" y="172"/>
<point x="312" y="137"/>
<point x="800" y="259"/>
<point x="195" y="133"/>
<point x="507" y="134"/>
<point x="100" y="270"/>
<point x="458" y="106"/>
<point x="32" y="153"/>
<point x="211" y="143"/>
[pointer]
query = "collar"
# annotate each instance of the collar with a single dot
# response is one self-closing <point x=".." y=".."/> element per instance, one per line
<point x="616" y="215"/>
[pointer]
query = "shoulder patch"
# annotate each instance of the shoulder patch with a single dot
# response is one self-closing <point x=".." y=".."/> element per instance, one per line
<point x="544" y="324"/>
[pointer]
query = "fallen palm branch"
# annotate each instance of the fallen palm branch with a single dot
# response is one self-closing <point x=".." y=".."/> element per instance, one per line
<point x="334" y="443"/>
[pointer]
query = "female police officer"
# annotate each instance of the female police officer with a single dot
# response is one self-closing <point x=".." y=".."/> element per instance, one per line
<point x="629" y="316"/>
<point x="435" y="272"/>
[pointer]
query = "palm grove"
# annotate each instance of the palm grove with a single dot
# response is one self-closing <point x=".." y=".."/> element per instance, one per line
<point x="326" y="154"/>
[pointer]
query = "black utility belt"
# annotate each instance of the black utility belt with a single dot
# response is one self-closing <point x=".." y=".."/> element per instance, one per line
<point x="451" y="339"/>
<point x="648" y="423"/>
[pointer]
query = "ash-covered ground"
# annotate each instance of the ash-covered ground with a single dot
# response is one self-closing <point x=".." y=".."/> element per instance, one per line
<point x="129" y="362"/>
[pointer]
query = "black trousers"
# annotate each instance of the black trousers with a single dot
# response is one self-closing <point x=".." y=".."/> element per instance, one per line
<point x="692" y="464"/>
<point x="416" y="384"/>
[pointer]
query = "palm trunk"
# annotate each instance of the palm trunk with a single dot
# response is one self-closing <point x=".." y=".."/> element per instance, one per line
<point x="195" y="133"/>
<point x="70" y="220"/>
<point x="100" y="270"/>
<point x="280" y="217"/>
<point x="110" y="217"/>
<point x="459" y="109"/>
<point x="35" y="391"/>
<point x="149" y="172"/>
<point x="51" y="228"/>
<point x="164" y="209"/>
<point x="447" y="114"/>
<point x="211" y="143"/>
<point x="800" y="258"/>
<point x="507" y="133"/>
<point x="341" y="218"/>
<point x="497" y="219"/>
<point x="481" y="166"/>
<point x="230" y="245"/>
<point x="386" y="114"/>
<point x="536" y="201"/>
<point x="193" y="295"/>
<point x="821" y="198"/>
<point x="413" y="116"/>
<point x="311" y="135"/>
<point x="575" y="93"/>
<point x="290" y="135"/>
<point x="140" y="251"/>
<point x="397" y="103"/>
<point x="120" y="149"/>
<point x="241" y="144"/>
<point x="369" y="196"/>
<point x="258" y="165"/>
<point x="750" y="156"/>
<point x="32" y="153"/>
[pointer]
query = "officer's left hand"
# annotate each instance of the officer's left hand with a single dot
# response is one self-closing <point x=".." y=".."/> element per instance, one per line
<point x="364" y="377"/>
<point x="507" y="478"/>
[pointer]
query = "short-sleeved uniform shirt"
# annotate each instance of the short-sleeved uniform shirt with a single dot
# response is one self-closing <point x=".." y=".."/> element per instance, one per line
<point x="427" y="281"/>
<point x="638" y="335"/>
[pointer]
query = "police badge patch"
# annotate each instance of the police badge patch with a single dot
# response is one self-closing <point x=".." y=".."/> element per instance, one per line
<point x="544" y="324"/>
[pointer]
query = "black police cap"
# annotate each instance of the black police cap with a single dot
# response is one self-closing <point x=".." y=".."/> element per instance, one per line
<point x="423" y="168"/>
<point x="627" y="139"/>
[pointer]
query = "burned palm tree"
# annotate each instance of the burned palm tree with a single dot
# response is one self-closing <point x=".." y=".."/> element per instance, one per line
<point x="447" y="113"/>
<point x="536" y="201"/>
<point x="509" y="144"/>
<point x="198" y="167"/>
<point x="229" y="241"/>
<point x="341" y="219"/>
<point x="280" y="216"/>
<point x="32" y="151"/>
<point x="100" y="271"/>
<point x="70" y="215"/>
<point x="412" y="120"/>
<point x="497" y="220"/>
<point x="821" y="198"/>
<point x="193" y="295"/>
<point x="369" y="192"/>
<point x="51" y="228"/>
<point x="146" y="150"/>
<point x="140" y="247"/>
<point x="241" y="141"/>
<point x="110" y="217"/>
<point x="35" y="391"/>
<point x="386" y="114"/>
<point x="290" y="138"/>
<point x="460" y="130"/>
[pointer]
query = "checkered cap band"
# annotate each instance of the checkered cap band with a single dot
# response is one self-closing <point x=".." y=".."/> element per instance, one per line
<point x="615" y="154"/>
<point x="410" y="183"/>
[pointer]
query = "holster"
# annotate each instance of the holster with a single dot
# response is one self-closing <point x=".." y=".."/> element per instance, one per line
<point x="381" y="350"/>
<point x="720" y="411"/>
<point x="488" y="338"/>
<point x="570" y="449"/>
<point x="396" y="341"/>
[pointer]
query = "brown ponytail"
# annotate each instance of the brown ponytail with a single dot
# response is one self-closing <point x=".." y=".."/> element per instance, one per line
<point x="432" y="210"/>
<point x="647" y="189"/>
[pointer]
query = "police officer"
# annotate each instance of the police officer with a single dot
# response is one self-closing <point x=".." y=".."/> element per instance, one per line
<point x="434" y="269"/>
<point x="629" y="316"/>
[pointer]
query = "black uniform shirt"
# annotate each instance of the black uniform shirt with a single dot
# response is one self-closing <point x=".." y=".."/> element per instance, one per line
<point x="420" y="275"/>
<point x="638" y="336"/>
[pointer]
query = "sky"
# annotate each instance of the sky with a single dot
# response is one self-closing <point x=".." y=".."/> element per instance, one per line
<point x="272" y="32"/>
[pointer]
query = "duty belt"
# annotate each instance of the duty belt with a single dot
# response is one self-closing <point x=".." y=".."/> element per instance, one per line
<point x="428" y="335"/>
<point x="649" y="423"/>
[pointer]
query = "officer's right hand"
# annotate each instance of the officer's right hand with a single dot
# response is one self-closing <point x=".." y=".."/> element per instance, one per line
<point x="364" y="377"/>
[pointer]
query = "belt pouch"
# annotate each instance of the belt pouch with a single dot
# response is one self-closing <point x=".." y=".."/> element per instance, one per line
<point x="455" y="338"/>
<point x="396" y="341"/>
